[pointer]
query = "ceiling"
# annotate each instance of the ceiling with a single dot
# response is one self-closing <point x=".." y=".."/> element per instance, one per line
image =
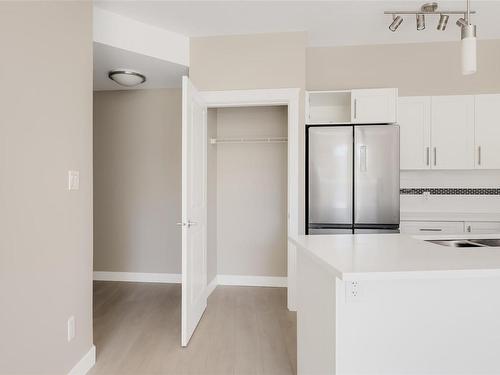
<point x="328" y="23"/>
<point x="159" y="73"/>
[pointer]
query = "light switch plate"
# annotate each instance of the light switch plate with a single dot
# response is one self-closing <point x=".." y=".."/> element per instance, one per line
<point x="71" y="328"/>
<point x="73" y="180"/>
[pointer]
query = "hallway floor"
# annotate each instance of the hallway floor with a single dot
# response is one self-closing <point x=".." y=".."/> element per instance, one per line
<point x="245" y="330"/>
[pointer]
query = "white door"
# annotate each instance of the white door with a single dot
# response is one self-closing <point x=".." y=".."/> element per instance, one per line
<point x="487" y="131"/>
<point x="373" y="106"/>
<point x="452" y="132"/>
<point x="414" y="119"/>
<point x="194" y="209"/>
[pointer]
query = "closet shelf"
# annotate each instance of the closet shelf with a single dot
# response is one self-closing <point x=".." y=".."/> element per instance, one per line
<point x="249" y="140"/>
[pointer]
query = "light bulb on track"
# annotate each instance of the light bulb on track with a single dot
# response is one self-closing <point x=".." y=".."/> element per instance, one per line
<point x="395" y="23"/>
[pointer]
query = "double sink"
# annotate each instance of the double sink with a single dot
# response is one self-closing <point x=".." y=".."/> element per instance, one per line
<point x="492" y="242"/>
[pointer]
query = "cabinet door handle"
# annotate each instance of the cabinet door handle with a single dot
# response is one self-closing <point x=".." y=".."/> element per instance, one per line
<point x="479" y="155"/>
<point x="355" y="108"/>
<point x="427" y="152"/>
<point x="430" y="230"/>
<point x="435" y="156"/>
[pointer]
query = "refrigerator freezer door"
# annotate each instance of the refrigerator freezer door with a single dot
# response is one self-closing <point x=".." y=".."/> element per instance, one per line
<point x="376" y="176"/>
<point x="330" y="174"/>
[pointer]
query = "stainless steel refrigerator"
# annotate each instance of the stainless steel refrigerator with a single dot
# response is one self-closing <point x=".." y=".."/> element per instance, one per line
<point x="352" y="179"/>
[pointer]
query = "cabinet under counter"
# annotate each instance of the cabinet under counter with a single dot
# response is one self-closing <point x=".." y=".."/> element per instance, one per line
<point x="393" y="304"/>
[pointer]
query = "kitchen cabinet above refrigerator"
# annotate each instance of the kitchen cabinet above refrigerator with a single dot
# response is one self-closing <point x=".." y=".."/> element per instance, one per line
<point x="360" y="106"/>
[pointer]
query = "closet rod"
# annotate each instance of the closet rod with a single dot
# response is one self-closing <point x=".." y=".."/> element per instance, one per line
<point x="249" y="140"/>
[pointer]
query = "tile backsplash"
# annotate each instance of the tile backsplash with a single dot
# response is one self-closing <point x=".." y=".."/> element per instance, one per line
<point x="450" y="191"/>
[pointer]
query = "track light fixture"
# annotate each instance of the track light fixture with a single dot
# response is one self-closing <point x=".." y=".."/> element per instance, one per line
<point x="420" y="22"/>
<point x="443" y="21"/>
<point x="461" y="22"/>
<point x="468" y="36"/>
<point x="468" y="30"/>
<point x="395" y="23"/>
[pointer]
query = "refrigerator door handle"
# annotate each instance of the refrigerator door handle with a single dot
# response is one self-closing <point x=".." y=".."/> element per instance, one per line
<point x="362" y="156"/>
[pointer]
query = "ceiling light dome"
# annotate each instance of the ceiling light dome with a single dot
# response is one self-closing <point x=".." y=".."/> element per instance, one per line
<point x="126" y="77"/>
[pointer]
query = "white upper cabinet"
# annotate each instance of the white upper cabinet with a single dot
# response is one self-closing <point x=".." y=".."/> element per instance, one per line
<point x="373" y="106"/>
<point x="452" y="132"/>
<point x="414" y="118"/>
<point x="367" y="106"/>
<point x="328" y="107"/>
<point x="487" y="153"/>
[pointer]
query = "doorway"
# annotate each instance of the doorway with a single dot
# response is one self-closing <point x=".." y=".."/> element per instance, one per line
<point x="194" y="162"/>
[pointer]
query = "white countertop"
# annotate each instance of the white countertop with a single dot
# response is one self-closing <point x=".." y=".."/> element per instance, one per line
<point x="450" y="216"/>
<point x="398" y="256"/>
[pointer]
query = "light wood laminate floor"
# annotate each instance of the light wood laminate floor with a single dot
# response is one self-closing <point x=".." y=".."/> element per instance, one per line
<point x="244" y="330"/>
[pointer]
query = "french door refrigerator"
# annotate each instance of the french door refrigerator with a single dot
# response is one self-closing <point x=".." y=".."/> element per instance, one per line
<point x="352" y="179"/>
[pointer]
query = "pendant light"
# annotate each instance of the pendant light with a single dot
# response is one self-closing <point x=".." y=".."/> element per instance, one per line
<point x="469" y="49"/>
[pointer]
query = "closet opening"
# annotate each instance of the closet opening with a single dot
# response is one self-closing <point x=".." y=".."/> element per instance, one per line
<point x="247" y="164"/>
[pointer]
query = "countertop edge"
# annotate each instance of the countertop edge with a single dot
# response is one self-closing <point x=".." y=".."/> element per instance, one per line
<point x="398" y="275"/>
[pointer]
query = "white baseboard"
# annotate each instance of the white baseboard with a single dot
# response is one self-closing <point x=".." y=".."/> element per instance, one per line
<point x="175" y="278"/>
<point x="242" y="280"/>
<point x="172" y="278"/>
<point x="211" y="286"/>
<point x="85" y="364"/>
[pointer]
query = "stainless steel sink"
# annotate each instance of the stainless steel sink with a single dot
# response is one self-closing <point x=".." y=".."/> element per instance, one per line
<point x="493" y="242"/>
<point x="456" y="243"/>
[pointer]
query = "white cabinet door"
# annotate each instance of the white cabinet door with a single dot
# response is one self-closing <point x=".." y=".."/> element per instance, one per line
<point x="452" y="132"/>
<point x="484" y="227"/>
<point x="487" y="154"/>
<point x="373" y="106"/>
<point x="432" y="227"/>
<point x="414" y="119"/>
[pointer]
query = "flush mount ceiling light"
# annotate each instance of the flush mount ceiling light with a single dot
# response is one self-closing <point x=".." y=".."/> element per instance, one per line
<point x="468" y="30"/>
<point x="126" y="77"/>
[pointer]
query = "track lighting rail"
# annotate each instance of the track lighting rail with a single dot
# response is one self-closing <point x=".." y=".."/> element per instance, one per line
<point x="437" y="12"/>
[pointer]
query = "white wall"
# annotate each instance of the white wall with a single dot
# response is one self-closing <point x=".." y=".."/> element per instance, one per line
<point x="252" y="193"/>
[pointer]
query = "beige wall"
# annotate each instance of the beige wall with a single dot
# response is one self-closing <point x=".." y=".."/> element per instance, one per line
<point x="252" y="193"/>
<point x="414" y="68"/>
<point x="238" y="62"/>
<point x="248" y="61"/>
<point x="45" y="230"/>
<point x="137" y="181"/>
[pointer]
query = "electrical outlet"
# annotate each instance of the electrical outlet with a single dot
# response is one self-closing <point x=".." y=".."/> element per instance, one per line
<point x="71" y="328"/>
<point x="73" y="180"/>
<point x="353" y="291"/>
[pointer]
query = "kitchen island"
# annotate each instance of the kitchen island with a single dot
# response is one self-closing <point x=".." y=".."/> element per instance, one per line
<point x="394" y="304"/>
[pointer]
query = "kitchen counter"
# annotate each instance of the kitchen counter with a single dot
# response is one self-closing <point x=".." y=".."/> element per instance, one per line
<point x="398" y="256"/>
<point x="395" y="304"/>
<point x="450" y="216"/>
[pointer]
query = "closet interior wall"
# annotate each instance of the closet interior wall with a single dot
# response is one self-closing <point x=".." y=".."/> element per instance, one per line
<point x="247" y="192"/>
